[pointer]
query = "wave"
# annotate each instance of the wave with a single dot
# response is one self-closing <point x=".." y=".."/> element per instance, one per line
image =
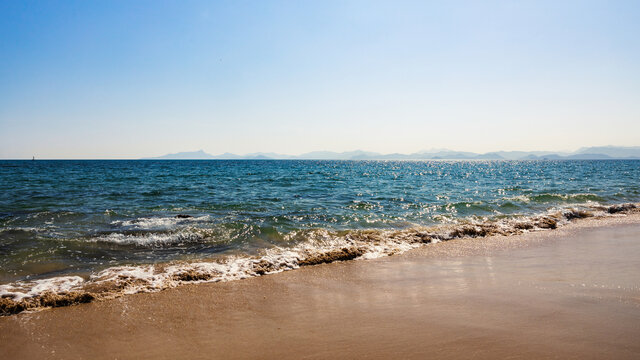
<point x="150" y="239"/>
<point x="20" y="290"/>
<point x="157" y="231"/>
<point x="157" y="223"/>
<point x="23" y="229"/>
<point x="319" y="246"/>
<point x="556" y="198"/>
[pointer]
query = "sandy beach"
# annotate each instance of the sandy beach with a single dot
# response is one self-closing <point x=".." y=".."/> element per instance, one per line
<point x="320" y="180"/>
<point x="566" y="293"/>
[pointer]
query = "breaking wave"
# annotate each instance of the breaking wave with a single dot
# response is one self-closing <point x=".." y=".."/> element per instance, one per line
<point x="320" y="246"/>
<point x="556" y="198"/>
<point x="150" y="239"/>
<point x="160" y="223"/>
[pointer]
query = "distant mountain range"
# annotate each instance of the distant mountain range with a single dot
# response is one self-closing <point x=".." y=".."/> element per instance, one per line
<point x="588" y="153"/>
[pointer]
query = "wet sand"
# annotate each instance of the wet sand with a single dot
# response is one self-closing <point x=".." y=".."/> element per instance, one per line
<point x="567" y="293"/>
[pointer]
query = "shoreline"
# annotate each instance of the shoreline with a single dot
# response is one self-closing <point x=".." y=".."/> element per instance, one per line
<point x="322" y="247"/>
<point x="571" y="293"/>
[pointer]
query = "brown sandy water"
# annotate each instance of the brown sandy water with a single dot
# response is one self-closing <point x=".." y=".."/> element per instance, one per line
<point x="567" y="293"/>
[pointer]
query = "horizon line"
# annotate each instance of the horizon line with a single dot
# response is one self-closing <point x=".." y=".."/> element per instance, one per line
<point x="440" y="154"/>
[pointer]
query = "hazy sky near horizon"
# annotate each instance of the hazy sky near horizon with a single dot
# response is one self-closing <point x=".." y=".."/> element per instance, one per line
<point x="128" y="79"/>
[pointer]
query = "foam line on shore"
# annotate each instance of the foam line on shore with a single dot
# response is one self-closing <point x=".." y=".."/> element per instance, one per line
<point x="321" y="246"/>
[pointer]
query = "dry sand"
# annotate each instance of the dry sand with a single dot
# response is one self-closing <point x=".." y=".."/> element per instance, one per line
<point x="567" y="293"/>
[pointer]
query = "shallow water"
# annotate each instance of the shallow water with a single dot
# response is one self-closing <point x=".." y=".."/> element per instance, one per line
<point x="568" y="294"/>
<point x="64" y="218"/>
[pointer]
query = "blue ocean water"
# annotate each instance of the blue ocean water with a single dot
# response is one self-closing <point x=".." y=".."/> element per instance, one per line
<point x="78" y="217"/>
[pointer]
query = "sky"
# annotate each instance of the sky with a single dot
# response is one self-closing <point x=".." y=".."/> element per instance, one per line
<point x="129" y="79"/>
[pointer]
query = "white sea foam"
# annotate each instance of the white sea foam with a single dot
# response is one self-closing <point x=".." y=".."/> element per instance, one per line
<point x="518" y="198"/>
<point x="159" y="223"/>
<point x="151" y="239"/>
<point x="24" y="289"/>
<point x="133" y="279"/>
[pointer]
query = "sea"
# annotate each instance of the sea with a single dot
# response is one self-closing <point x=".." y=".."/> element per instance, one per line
<point x="110" y="227"/>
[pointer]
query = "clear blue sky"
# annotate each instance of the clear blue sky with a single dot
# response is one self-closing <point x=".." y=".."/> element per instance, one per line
<point x="127" y="79"/>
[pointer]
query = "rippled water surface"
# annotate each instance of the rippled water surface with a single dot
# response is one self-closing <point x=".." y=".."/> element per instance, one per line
<point x="77" y="217"/>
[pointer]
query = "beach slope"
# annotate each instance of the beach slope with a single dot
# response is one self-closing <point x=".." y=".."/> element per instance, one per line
<point x="567" y="293"/>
